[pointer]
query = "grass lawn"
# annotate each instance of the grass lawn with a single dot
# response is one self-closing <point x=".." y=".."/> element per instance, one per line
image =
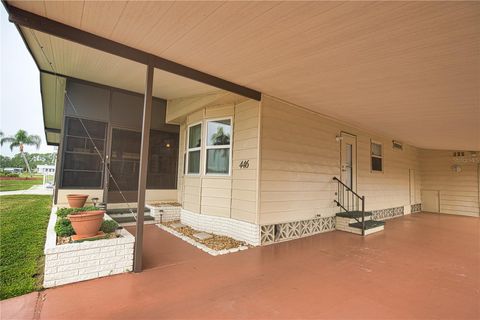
<point x="11" y="185"/>
<point x="23" y="225"/>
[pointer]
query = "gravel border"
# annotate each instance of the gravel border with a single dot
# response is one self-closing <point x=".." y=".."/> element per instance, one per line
<point x="200" y="245"/>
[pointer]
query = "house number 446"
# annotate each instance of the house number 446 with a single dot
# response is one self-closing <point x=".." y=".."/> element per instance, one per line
<point x="244" y="164"/>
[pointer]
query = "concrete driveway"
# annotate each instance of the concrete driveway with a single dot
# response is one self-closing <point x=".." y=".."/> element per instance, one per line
<point x="421" y="266"/>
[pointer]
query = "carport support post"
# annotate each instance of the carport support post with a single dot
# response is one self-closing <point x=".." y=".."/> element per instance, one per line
<point x="142" y="179"/>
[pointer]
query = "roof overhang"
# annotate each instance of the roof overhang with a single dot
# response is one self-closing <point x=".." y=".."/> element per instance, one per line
<point x="407" y="70"/>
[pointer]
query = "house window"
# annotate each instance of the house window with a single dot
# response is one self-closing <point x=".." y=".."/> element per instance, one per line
<point x="194" y="144"/>
<point x="377" y="156"/>
<point x="218" y="146"/>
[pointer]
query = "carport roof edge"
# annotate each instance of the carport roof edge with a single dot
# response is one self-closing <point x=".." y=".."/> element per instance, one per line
<point x="33" y="21"/>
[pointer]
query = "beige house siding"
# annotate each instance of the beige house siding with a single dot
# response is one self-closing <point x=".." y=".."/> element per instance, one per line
<point x="457" y="192"/>
<point x="300" y="156"/>
<point x="233" y="196"/>
<point x="245" y="147"/>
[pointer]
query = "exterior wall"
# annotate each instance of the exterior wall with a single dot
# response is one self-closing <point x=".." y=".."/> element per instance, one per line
<point x="233" y="196"/>
<point x="457" y="192"/>
<point x="300" y="156"/>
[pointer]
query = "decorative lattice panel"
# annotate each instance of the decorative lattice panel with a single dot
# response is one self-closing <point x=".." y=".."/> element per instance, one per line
<point x="296" y="229"/>
<point x="387" y="213"/>
<point x="268" y="234"/>
<point x="307" y="227"/>
<point x="287" y="231"/>
<point x="416" y="208"/>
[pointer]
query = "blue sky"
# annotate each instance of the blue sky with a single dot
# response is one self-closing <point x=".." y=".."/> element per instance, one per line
<point x="20" y="102"/>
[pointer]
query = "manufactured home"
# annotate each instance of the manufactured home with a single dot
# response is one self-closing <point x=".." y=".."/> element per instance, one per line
<point x="293" y="148"/>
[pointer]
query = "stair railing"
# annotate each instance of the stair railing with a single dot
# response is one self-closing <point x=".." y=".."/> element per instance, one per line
<point x="344" y="195"/>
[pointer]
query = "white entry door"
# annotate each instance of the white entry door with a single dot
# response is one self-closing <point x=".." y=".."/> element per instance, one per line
<point x="348" y="169"/>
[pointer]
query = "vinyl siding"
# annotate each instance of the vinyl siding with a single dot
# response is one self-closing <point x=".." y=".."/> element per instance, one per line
<point x="458" y="191"/>
<point x="300" y="156"/>
<point x="232" y="196"/>
<point x="245" y="147"/>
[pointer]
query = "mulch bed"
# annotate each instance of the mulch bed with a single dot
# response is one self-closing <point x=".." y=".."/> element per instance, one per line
<point x="67" y="240"/>
<point x="164" y="203"/>
<point x="216" y="242"/>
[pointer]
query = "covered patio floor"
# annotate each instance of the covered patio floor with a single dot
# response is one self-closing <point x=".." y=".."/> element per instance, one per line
<point x="422" y="266"/>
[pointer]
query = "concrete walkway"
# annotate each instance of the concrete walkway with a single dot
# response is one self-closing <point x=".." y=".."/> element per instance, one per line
<point x="421" y="266"/>
<point x="22" y="307"/>
<point x="34" y="190"/>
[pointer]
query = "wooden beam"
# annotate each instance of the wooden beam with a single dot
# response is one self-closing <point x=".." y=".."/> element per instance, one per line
<point x="142" y="179"/>
<point x="57" y="29"/>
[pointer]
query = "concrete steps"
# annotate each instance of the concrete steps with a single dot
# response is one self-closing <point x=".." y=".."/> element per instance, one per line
<point x="345" y="221"/>
<point x="125" y="218"/>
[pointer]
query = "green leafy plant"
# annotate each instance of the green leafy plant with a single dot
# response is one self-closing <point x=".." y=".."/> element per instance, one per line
<point x="63" y="228"/>
<point x="109" y="226"/>
<point x="64" y="212"/>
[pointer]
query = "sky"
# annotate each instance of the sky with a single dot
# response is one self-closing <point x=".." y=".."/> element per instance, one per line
<point x="20" y="100"/>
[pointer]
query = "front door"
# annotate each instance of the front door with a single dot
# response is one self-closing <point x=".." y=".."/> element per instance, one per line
<point x="348" y="169"/>
<point x="124" y="164"/>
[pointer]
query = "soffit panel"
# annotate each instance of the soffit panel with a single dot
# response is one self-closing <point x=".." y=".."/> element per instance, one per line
<point x="78" y="61"/>
<point x="409" y="70"/>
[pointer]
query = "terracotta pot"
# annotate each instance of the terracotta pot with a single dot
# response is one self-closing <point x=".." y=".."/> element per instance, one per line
<point x="86" y="224"/>
<point x="76" y="200"/>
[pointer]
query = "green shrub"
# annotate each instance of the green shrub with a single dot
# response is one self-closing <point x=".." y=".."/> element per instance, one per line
<point x="7" y="174"/>
<point x="64" y="212"/>
<point x="109" y="226"/>
<point x="63" y="228"/>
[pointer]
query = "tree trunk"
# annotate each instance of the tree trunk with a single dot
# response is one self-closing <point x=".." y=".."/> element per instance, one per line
<point x="26" y="162"/>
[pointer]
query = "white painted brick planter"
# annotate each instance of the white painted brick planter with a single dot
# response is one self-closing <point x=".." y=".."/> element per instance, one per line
<point x="200" y="245"/>
<point x="164" y="213"/>
<point x="74" y="262"/>
<point x="236" y="229"/>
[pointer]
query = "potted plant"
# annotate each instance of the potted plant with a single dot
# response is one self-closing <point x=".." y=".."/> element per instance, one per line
<point x="76" y="200"/>
<point x="86" y="223"/>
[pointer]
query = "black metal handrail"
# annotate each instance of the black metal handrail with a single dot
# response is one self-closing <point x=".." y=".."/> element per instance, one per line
<point x="345" y="203"/>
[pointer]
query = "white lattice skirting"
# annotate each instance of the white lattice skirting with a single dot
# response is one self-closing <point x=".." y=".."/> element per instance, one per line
<point x="236" y="229"/>
<point x="297" y="229"/>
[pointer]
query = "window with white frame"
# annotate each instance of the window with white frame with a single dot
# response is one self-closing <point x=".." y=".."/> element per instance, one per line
<point x="377" y="156"/>
<point x="194" y="144"/>
<point x="218" y="146"/>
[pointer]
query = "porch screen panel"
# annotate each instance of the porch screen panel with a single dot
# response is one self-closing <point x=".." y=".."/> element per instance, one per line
<point x="82" y="165"/>
<point x="125" y="160"/>
<point x="162" y="160"/>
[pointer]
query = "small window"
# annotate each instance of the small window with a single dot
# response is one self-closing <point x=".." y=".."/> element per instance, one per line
<point x="377" y="156"/>
<point x="218" y="146"/>
<point x="193" y="149"/>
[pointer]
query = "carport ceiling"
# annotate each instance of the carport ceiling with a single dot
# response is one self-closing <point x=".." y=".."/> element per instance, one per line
<point x="406" y="69"/>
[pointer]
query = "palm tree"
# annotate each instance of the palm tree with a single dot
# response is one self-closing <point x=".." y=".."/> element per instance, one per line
<point x="21" y="139"/>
